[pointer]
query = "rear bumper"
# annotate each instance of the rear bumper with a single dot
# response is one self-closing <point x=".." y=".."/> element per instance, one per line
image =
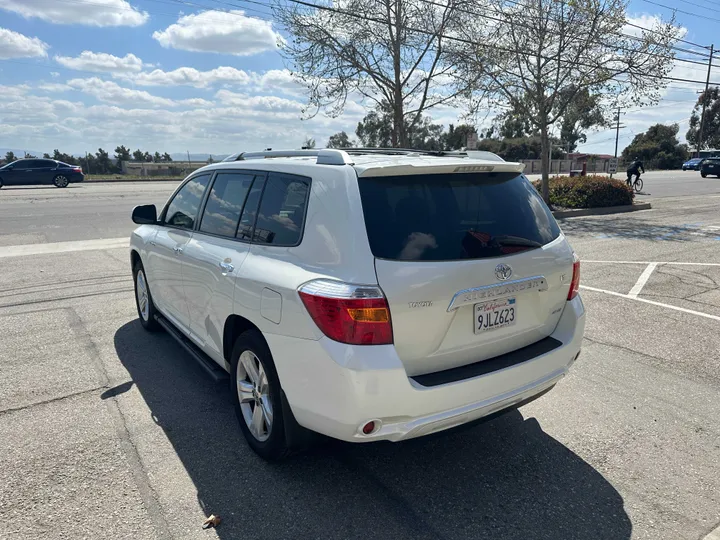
<point x="335" y="389"/>
<point x="76" y="178"/>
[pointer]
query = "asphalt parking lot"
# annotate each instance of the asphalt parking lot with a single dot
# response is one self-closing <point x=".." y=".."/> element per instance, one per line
<point x="109" y="432"/>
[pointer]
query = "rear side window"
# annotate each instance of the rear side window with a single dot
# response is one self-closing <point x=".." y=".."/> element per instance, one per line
<point x="247" y="220"/>
<point x="225" y="203"/>
<point x="281" y="215"/>
<point x="443" y="217"/>
<point x="183" y="209"/>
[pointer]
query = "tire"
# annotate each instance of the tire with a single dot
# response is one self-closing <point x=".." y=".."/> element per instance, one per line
<point x="259" y="402"/>
<point x="61" y="181"/>
<point x="684" y="169"/>
<point x="147" y="313"/>
<point x="638" y="185"/>
<point x="703" y="175"/>
<point x="1" y="184"/>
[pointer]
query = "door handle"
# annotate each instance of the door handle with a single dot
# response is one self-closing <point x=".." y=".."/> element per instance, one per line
<point x="178" y="249"/>
<point x="226" y="267"/>
<point x="153" y="243"/>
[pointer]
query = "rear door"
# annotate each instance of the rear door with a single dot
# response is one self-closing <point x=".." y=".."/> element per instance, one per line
<point x="45" y="171"/>
<point x="473" y="264"/>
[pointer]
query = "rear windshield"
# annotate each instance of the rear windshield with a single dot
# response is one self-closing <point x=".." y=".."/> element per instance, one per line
<point x="442" y="217"/>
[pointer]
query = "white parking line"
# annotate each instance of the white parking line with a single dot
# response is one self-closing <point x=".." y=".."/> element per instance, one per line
<point x="642" y="280"/>
<point x="654" y="262"/>
<point x="713" y="535"/>
<point x="669" y="306"/>
<point x="63" y="247"/>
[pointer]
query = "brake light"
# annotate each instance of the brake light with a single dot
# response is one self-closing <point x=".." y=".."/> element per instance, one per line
<point x="352" y="314"/>
<point x="575" y="283"/>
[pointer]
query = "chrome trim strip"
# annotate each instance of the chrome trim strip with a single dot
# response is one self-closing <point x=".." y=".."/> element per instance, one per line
<point x="488" y="292"/>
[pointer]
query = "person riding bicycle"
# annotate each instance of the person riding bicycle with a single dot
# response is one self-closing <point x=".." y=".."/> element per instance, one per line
<point x="634" y="170"/>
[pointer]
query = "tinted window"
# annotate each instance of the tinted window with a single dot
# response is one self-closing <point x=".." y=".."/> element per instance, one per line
<point x="225" y="203"/>
<point x="23" y="164"/>
<point x="454" y="216"/>
<point x="183" y="209"/>
<point x="282" y="210"/>
<point x="247" y="221"/>
<point x="46" y="164"/>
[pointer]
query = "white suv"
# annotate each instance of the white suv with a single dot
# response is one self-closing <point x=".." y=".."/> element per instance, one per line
<point x="364" y="295"/>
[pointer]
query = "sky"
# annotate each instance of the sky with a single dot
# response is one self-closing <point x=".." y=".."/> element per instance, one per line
<point x="207" y="76"/>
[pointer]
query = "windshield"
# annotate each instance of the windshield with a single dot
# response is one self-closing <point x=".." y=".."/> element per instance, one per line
<point x="443" y="217"/>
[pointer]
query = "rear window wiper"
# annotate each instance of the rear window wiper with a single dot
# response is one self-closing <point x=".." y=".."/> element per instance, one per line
<point x="508" y="240"/>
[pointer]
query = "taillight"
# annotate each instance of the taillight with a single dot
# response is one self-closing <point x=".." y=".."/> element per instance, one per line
<point x="575" y="283"/>
<point x="353" y="314"/>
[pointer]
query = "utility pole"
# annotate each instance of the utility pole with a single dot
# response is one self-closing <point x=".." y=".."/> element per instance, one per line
<point x="617" y="133"/>
<point x="188" y="153"/>
<point x="702" y="118"/>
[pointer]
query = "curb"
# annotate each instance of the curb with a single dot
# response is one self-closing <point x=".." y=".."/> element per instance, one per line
<point x="580" y="212"/>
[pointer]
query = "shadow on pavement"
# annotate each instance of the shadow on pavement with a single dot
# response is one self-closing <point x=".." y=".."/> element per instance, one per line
<point x="503" y="479"/>
<point x="632" y="227"/>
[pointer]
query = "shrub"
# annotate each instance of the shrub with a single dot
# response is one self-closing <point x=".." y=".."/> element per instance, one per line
<point x="587" y="191"/>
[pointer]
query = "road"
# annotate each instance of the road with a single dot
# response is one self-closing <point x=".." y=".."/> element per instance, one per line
<point x="110" y="432"/>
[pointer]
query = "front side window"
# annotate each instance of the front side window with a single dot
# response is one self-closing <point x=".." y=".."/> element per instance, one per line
<point x="23" y="164"/>
<point x="282" y="210"/>
<point x="225" y="203"/>
<point x="183" y="209"/>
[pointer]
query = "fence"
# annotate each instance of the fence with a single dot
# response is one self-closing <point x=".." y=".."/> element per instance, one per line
<point x="564" y="166"/>
<point x="174" y="168"/>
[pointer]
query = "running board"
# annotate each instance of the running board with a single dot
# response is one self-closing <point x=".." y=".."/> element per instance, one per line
<point x="216" y="372"/>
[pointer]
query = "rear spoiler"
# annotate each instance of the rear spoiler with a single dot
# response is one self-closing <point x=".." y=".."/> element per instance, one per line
<point x="457" y="167"/>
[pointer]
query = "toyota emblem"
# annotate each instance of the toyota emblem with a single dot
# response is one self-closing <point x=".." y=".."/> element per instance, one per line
<point x="503" y="272"/>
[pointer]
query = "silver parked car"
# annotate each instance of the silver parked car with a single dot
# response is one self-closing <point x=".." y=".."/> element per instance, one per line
<point x="365" y="294"/>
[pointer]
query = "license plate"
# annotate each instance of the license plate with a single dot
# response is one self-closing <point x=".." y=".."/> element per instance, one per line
<point x="495" y="314"/>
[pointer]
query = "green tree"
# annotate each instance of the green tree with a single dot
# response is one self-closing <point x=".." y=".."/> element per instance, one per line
<point x="65" y="158"/>
<point x="456" y="137"/>
<point x="517" y="149"/>
<point x="340" y="140"/>
<point x="711" y="127"/>
<point x="658" y="148"/>
<point x="166" y="157"/>
<point x="103" y="165"/>
<point x="46" y="156"/>
<point x="122" y="153"/>
<point x="10" y="157"/>
<point x="309" y="142"/>
<point x="584" y="112"/>
<point x="138" y="155"/>
<point x="147" y="157"/>
<point x="29" y="156"/>
<point x="375" y="131"/>
<point x="157" y="158"/>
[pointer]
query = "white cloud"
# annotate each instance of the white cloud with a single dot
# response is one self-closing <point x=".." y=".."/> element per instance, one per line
<point x="110" y="92"/>
<point x="220" y="32"/>
<point x="95" y="13"/>
<point x="263" y="103"/>
<point x="16" y="45"/>
<point x="191" y="77"/>
<point x="54" y="87"/>
<point x="101" y="62"/>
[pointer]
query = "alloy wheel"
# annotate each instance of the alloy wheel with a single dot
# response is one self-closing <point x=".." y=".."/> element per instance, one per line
<point x="143" y="299"/>
<point x="254" y="395"/>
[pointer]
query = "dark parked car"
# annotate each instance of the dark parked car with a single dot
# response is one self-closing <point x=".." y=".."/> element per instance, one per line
<point x="710" y="166"/>
<point x="39" y="171"/>
<point x="692" y="164"/>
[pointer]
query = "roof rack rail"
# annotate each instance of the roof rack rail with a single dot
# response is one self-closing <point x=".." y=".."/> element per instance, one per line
<point x="403" y="151"/>
<point x="325" y="156"/>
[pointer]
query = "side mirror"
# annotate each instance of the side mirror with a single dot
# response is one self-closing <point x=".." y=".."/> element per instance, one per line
<point x="145" y="214"/>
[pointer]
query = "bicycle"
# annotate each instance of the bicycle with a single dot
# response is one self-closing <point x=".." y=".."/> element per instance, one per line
<point x="637" y="185"/>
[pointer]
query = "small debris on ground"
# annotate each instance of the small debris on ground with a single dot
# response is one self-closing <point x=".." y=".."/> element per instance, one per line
<point x="212" y="521"/>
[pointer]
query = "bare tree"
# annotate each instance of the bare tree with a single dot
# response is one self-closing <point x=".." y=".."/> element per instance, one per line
<point x="386" y="51"/>
<point x="539" y="55"/>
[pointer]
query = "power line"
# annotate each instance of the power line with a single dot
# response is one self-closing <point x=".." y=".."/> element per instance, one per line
<point x="684" y="12"/>
<point x="475" y="44"/>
